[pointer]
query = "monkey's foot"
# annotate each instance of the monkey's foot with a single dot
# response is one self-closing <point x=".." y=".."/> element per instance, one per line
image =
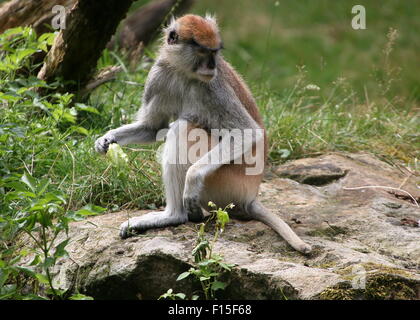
<point x="304" y="248"/>
<point x="136" y="225"/>
<point x="193" y="208"/>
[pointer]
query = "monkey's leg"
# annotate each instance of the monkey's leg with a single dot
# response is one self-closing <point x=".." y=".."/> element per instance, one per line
<point x="174" y="214"/>
<point x="174" y="172"/>
<point x="258" y="212"/>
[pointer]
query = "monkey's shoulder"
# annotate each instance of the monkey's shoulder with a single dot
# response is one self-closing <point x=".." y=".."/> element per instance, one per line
<point x="163" y="80"/>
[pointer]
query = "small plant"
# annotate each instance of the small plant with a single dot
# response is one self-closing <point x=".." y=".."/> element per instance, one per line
<point x="209" y="266"/>
<point x="170" y="295"/>
<point x="17" y="47"/>
<point x="41" y="214"/>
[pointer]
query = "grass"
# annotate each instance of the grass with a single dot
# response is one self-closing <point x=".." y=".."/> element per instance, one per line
<point x="306" y="123"/>
<point x="266" y="42"/>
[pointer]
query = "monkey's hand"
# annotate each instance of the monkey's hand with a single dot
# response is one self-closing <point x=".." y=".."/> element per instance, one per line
<point x="102" y="144"/>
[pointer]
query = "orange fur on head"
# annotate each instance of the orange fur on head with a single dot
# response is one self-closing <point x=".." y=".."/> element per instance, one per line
<point x="199" y="29"/>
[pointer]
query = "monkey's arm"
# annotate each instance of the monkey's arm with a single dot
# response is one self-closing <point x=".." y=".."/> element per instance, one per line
<point x="150" y="120"/>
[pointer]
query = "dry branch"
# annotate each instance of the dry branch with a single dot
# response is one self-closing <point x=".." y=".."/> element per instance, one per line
<point x="34" y="13"/>
<point x="144" y="24"/>
<point x="76" y="49"/>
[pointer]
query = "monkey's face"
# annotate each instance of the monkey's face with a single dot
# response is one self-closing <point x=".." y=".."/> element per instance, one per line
<point x="194" y="59"/>
<point x="193" y="45"/>
<point x="205" y="62"/>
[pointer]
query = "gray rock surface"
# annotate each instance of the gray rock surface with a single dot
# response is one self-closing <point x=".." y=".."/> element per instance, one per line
<point x="360" y="234"/>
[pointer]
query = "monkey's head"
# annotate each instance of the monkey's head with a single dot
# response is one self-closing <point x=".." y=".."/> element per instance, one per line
<point x="192" y="45"/>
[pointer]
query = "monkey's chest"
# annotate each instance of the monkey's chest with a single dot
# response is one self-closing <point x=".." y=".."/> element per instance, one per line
<point x="196" y="121"/>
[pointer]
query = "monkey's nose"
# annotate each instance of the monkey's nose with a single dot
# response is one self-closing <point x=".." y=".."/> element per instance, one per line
<point x="211" y="64"/>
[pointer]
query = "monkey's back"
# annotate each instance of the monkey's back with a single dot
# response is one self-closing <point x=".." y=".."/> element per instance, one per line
<point x="244" y="95"/>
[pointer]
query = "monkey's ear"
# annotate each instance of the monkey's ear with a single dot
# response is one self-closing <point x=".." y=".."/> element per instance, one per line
<point x="172" y="37"/>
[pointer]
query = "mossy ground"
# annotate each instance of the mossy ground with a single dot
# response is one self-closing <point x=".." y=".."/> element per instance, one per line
<point x="382" y="283"/>
<point x="379" y="286"/>
<point x="330" y="232"/>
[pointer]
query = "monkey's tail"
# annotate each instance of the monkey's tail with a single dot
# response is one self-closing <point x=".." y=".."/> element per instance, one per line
<point x="258" y="212"/>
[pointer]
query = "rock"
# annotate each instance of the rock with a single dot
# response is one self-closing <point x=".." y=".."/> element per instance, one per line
<point x="318" y="174"/>
<point x="357" y="235"/>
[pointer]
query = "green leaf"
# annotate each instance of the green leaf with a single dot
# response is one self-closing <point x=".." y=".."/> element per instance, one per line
<point x="69" y="117"/>
<point x="47" y="37"/>
<point x="39" y="104"/>
<point x="4" y="275"/>
<point x="7" y="97"/>
<point x="90" y="210"/>
<point x="180" y="295"/>
<point x="46" y="40"/>
<point x="13" y="31"/>
<point x="7" y="291"/>
<point x="60" y="250"/>
<point x="218" y="285"/>
<point x="43" y="185"/>
<point x="183" y="276"/>
<point x="29" y="181"/>
<point x="18" y="186"/>
<point x="27" y="271"/>
<point x="79" y="296"/>
<point x="117" y="155"/>
<point x="200" y="248"/>
<point x="226" y="266"/>
<point x="222" y="218"/>
<point x="36" y="260"/>
<point x="284" y="153"/>
<point x="83" y="107"/>
<point x="23" y="53"/>
<point x="41" y="278"/>
<point x="44" y="218"/>
<point x="80" y="130"/>
<point x="205" y="263"/>
<point x="49" y="262"/>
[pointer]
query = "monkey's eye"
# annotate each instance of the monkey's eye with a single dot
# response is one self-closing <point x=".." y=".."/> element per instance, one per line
<point x="193" y="43"/>
<point x="202" y="51"/>
<point x="173" y="37"/>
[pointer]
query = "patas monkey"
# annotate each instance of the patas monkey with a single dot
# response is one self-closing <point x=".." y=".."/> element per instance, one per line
<point x="192" y="85"/>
